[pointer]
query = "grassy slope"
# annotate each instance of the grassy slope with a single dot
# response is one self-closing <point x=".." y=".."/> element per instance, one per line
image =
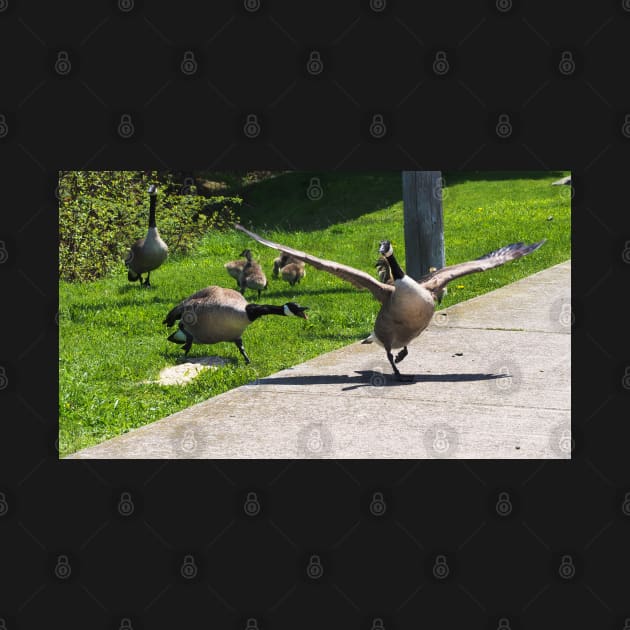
<point x="111" y="338"/>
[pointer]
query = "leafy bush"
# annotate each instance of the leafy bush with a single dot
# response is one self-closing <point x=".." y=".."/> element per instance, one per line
<point x="101" y="213"/>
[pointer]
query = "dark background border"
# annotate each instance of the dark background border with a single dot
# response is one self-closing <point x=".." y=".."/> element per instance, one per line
<point x="71" y="70"/>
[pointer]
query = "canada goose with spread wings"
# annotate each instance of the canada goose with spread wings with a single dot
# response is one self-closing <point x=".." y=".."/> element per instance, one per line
<point x="407" y="306"/>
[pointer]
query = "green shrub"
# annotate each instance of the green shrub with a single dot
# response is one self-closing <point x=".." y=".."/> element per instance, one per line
<point x="101" y="213"/>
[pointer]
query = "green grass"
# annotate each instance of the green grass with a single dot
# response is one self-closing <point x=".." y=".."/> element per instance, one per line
<point x="112" y="339"/>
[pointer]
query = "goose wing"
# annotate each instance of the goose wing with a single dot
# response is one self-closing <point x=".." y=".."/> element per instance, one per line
<point x="440" y="278"/>
<point x="358" y="278"/>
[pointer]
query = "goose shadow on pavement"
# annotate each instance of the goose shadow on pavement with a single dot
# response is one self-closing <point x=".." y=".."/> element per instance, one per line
<point x="374" y="379"/>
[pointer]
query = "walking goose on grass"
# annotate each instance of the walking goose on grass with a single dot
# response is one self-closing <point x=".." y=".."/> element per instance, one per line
<point x="407" y="306"/>
<point x="215" y="314"/>
<point x="252" y="276"/>
<point x="147" y="253"/>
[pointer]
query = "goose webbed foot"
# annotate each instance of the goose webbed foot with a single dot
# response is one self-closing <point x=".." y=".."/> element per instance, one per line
<point x="241" y="349"/>
<point x="146" y="283"/>
<point x="405" y="378"/>
<point x="401" y="355"/>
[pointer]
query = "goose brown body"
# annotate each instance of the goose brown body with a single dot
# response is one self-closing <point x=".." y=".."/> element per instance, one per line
<point x="215" y="314"/>
<point x="211" y="315"/>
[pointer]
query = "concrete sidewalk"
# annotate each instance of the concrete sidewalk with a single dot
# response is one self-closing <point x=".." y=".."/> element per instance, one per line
<point x="493" y="380"/>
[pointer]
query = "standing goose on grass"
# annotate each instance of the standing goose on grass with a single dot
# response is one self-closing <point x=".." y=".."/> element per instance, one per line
<point x="147" y="253"/>
<point x="279" y="262"/>
<point x="252" y="276"/>
<point x="407" y="305"/>
<point x="282" y="261"/>
<point x="235" y="268"/>
<point x="293" y="272"/>
<point x="215" y="314"/>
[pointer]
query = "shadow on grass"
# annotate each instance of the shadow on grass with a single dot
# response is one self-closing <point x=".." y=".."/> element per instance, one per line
<point x="135" y="287"/>
<point x="375" y="379"/>
<point x="113" y="304"/>
<point x="283" y="202"/>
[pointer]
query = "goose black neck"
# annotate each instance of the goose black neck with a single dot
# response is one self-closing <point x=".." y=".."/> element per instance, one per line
<point x="152" y="202"/>
<point x="254" y="311"/>
<point x="397" y="272"/>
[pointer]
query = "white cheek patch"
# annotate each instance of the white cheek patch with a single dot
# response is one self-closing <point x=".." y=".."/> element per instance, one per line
<point x="287" y="311"/>
<point x="389" y="252"/>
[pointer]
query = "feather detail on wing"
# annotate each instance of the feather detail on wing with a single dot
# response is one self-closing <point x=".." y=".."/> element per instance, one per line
<point x="440" y="278"/>
<point x="356" y="277"/>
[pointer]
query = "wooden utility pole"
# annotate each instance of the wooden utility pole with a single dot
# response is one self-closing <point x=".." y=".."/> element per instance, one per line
<point x="424" y="225"/>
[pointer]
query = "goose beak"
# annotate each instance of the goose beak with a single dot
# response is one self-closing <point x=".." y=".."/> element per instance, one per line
<point x="301" y="313"/>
